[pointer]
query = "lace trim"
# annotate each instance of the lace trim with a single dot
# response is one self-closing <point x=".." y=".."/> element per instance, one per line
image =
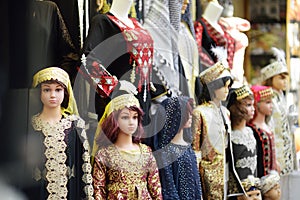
<point x="57" y="172"/>
<point x="244" y="137"/>
<point x="247" y="162"/>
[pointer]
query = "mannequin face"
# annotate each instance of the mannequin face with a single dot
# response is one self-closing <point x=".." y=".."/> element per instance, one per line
<point x="185" y="3"/>
<point x="128" y="121"/>
<point x="188" y="124"/>
<point x="52" y="95"/>
<point x="265" y="107"/>
<point x="273" y="194"/>
<point x="221" y="93"/>
<point x="249" y="105"/>
<point x="252" y="195"/>
<point x="280" y="82"/>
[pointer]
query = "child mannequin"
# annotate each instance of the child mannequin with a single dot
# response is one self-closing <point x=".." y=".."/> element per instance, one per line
<point x="211" y="126"/>
<point x="271" y="186"/>
<point x="175" y="157"/>
<point x="275" y="75"/>
<point x="266" y="160"/>
<point x="240" y="105"/>
<point x="62" y="169"/>
<point x="124" y="168"/>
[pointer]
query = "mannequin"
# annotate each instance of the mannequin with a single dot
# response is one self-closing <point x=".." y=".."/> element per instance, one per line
<point x="175" y="157"/>
<point x="275" y="75"/>
<point x="211" y="126"/>
<point x="235" y="26"/>
<point x="252" y="186"/>
<point x="124" y="168"/>
<point x="240" y="105"/>
<point x="58" y="148"/>
<point x="188" y="49"/>
<point x="120" y="9"/>
<point x="209" y="33"/>
<point x="271" y="186"/>
<point x="118" y="44"/>
<point x="266" y="158"/>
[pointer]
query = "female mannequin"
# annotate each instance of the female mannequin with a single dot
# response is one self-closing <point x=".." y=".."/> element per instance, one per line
<point x="271" y="186"/>
<point x="211" y="126"/>
<point x="266" y="159"/>
<point x="235" y="26"/>
<point x="122" y="48"/>
<point x="240" y="105"/>
<point x="124" y="168"/>
<point x="61" y="165"/>
<point x="175" y="157"/>
<point x="209" y="33"/>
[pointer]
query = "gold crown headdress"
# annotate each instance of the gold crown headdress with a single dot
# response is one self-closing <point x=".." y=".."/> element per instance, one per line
<point x="243" y="92"/>
<point x="269" y="181"/>
<point x="218" y="70"/>
<point x="275" y="68"/>
<point x="251" y="183"/>
<point x="56" y="73"/>
<point x="261" y="93"/>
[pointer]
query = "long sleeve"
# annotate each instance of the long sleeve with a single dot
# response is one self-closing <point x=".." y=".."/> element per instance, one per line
<point x="154" y="185"/>
<point x="99" y="179"/>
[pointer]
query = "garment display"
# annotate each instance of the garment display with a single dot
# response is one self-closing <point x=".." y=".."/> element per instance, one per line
<point x="132" y="174"/>
<point x="125" y="52"/>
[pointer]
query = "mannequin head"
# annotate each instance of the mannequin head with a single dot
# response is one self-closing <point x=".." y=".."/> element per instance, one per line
<point x="271" y="186"/>
<point x="251" y="186"/>
<point x="240" y="104"/>
<point x="228" y="8"/>
<point x="216" y="81"/>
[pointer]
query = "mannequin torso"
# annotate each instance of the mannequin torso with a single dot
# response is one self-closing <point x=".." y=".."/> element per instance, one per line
<point x="212" y="13"/>
<point x="120" y="9"/>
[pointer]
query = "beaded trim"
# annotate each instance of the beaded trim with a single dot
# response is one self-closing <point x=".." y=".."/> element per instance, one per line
<point x="243" y="92"/>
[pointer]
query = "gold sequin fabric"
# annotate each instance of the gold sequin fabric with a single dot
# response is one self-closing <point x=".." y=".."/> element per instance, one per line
<point x="57" y="171"/>
<point x="117" y="177"/>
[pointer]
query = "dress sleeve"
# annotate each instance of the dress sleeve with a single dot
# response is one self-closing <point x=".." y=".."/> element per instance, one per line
<point x="153" y="180"/>
<point x="99" y="178"/>
<point x="197" y="130"/>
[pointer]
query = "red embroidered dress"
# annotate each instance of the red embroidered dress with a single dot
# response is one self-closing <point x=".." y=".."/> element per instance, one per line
<point x="206" y="37"/>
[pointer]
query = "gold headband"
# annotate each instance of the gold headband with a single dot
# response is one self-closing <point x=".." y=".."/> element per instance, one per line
<point x="251" y="182"/>
<point x="118" y="103"/>
<point x="214" y="72"/>
<point x="273" y="69"/>
<point x="269" y="181"/>
<point x="55" y="73"/>
<point x="243" y="92"/>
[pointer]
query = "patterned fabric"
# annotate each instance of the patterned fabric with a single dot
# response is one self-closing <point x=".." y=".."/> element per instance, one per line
<point x="244" y="152"/>
<point x="64" y="171"/>
<point x="126" y="177"/>
<point x="266" y="158"/>
<point x="206" y="37"/>
<point x="283" y="135"/>
<point x="211" y="139"/>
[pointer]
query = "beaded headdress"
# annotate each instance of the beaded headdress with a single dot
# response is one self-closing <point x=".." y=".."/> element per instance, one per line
<point x="118" y="103"/>
<point x="275" y="68"/>
<point x="261" y="93"/>
<point x="237" y="92"/>
<point x="218" y="70"/>
<point x="251" y="183"/>
<point x="56" y="73"/>
<point x="269" y="181"/>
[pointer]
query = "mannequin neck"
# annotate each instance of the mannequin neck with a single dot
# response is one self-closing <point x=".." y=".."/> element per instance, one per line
<point x="120" y="9"/>
<point x="212" y="14"/>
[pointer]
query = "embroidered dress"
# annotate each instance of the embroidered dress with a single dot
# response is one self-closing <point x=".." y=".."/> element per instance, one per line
<point x="63" y="169"/>
<point x="266" y="158"/>
<point x="126" y="175"/>
<point x="211" y="139"/>
<point x="125" y="52"/>
<point x="283" y="136"/>
<point x="244" y="152"/>
<point x="207" y="37"/>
